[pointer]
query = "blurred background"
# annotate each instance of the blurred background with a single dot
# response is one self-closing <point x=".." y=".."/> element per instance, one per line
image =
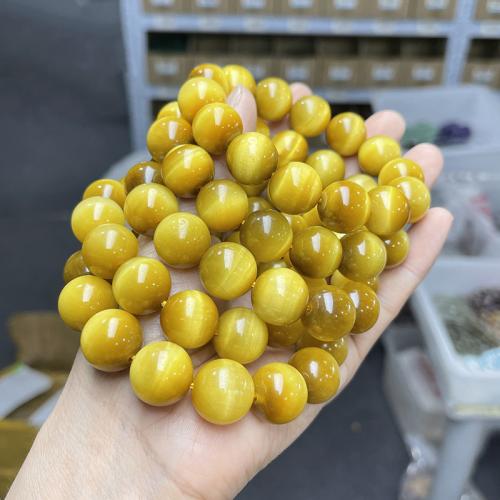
<point x="80" y="81"/>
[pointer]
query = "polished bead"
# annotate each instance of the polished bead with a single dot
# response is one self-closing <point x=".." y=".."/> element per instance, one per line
<point x="320" y="371"/>
<point x="241" y="335"/>
<point x="181" y="239"/>
<point x="363" y="256"/>
<point x="274" y="99"/>
<point x="375" y="152"/>
<point x="195" y="93"/>
<point x="389" y="210"/>
<point x="186" y="169"/>
<point x="312" y="217"/>
<point x="373" y="283"/>
<point x="400" y="167"/>
<point x="256" y="203"/>
<point x="314" y="283"/>
<point x="297" y="222"/>
<point x="365" y="181"/>
<point x="295" y="188"/>
<point x="233" y="237"/>
<point x="344" y="207"/>
<point x="338" y="279"/>
<point x="223" y="391"/>
<point x="161" y="373"/>
<point x="93" y="212"/>
<point x="189" y="318"/>
<point x="262" y="127"/>
<point x="166" y="133"/>
<point x="222" y="204"/>
<point x="397" y="246"/>
<point x="107" y="247"/>
<point x="330" y="313"/>
<point x="147" y="205"/>
<point x="215" y="126"/>
<point x="339" y="349"/>
<point x="83" y="297"/>
<point x="366" y="303"/>
<point x="254" y="190"/>
<point x="280" y="392"/>
<point x="417" y="195"/>
<point x="252" y="158"/>
<point x="285" y="335"/>
<point x="74" y="266"/>
<point x="345" y="133"/>
<point x="227" y="270"/>
<point x="239" y="75"/>
<point x="212" y="72"/>
<point x="291" y="146"/>
<point x="280" y="296"/>
<point x="143" y="172"/>
<point x="267" y="234"/>
<point x="141" y="285"/>
<point x="328" y="164"/>
<point x="107" y="188"/>
<point x="110" y="338"/>
<point x="169" y="110"/>
<point x="262" y="267"/>
<point x="310" y="115"/>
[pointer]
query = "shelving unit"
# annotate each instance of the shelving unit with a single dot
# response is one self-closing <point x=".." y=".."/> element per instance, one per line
<point x="136" y="25"/>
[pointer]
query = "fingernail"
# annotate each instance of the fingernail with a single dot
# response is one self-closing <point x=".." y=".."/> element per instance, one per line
<point x="234" y="98"/>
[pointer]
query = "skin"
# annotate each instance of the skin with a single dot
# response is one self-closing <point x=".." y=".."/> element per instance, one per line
<point x="101" y="442"/>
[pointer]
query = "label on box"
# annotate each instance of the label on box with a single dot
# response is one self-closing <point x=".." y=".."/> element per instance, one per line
<point x="423" y="73"/>
<point x="208" y="4"/>
<point x="436" y="4"/>
<point x="301" y="4"/>
<point x="297" y="25"/>
<point x="298" y="73"/>
<point x="162" y="3"/>
<point x="483" y="75"/>
<point x="345" y="4"/>
<point x="389" y="4"/>
<point x="253" y="4"/>
<point x="167" y="68"/>
<point x="383" y="73"/>
<point x="340" y="73"/>
<point x="493" y="6"/>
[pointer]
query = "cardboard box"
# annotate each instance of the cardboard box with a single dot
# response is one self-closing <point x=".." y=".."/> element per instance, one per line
<point x="339" y="73"/>
<point x="420" y="72"/>
<point x="166" y="69"/>
<point x="345" y="8"/>
<point x="378" y="47"/>
<point x="336" y="46"/>
<point x="482" y="72"/>
<point x="293" y="46"/>
<point x="298" y="69"/>
<point x="434" y="9"/>
<point x="384" y="72"/>
<point x="165" y="5"/>
<point x="209" y="6"/>
<point x="298" y="7"/>
<point x="208" y="44"/>
<point x="254" y="7"/>
<point x="389" y="9"/>
<point x="488" y="10"/>
<point x="250" y="44"/>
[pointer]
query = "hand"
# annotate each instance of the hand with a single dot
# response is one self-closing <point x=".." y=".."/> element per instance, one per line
<point x="102" y="442"/>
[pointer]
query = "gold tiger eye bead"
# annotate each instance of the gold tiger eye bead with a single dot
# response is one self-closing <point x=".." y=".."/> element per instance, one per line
<point x="83" y="297"/>
<point x="366" y="303"/>
<point x="166" y="133"/>
<point x="280" y="392"/>
<point x="339" y="349"/>
<point x="195" y="93"/>
<point x="233" y="237"/>
<point x="400" y="167"/>
<point x="169" y="110"/>
<point x="320" y="371"/>
<point x="262" y="267"/>
<point x="141" y="285"/>
<point x="223" y="391"/>
<point x="312" y="217"/>
<point x="212" y="72"/>
<point x="365" y="181"/>
<point x="262" y="127"/>
<point x="416" y="193"/>
<point x="239" y="75"/>
<point x="397" y="246"/>
<point x="161" y="373"/>
<point x="297" y="222"/>
<point x="254" y="190"/>
<point x="285" y="335"/>
<point x="189" y="318"/>
<point x="186" y="169"/>
<point x="93" y="212"/>
<point x="345" y="133"/>
<point x="107" y="247"/>
<point x="310" y="115"/>
<point x="147" y="205"/>
<point x="279" y="296"/>
<point x="274" y="99"/>
<point x="389" y="211"/>
<point x="344" y="207"/>
<point x="74" y="266"/>
<point x="110" y="338"/>
<point x="376" y="151"/>
<point x="257" y="203"/>
<point x="295" y="188"/>
<point x="251" y="158"/>
<point x="222" y="204"/>
<point x="144" y="172"/>
<point x="338" y="279"/>
<point x="215" y="126"/>
<point x="227" y="270"/>
<point x="328" y="164"/>
<point x="107" y="188"/>
<point x="267" y="234"/>
<point x="291" y="146"/>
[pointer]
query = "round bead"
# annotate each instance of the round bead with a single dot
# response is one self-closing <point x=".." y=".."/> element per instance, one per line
<point x="93" y="212"/>
<point x="222" y="204"/>
<point x="310" y="115"/>
<point x="241" y="335"/>
<point x="280" y="296"/>
<point x="181" y="239"/>
<point x="186" y="169"/>
<point x="239" y="75"/>
<point x="330" y="314"/>
<point x="295" y="188"/>
<point x="141" y="285"/>
<point x="338" y="348"/>
<point x="223" y="391"/>
<point x="107" y="247"/>
<point x="400" y="167"/>
<point x="280" y="392"/>
<point x="345" y="133"/>
<point x="417" y="195"/>
<point x="213" y="72"/>
<point x="397" y="247"/>
<point x="312" y="217"/>
<point x="285" y="335"/>
<point x="375" y="152"/>
<point x="169" y="110"/>
<point x="262" y="127"/>
<point x="316" y="252"/>
<point x="344" y="207"/>
<point x="234" y="237"/>
<point x="75" y="266"/>
<point x="366" y="303"/>
<point x="161" y="373"/>
<point x="328" y="164"/>
<point x="110" y="338"/>
<point x="256" y="203"/>
<point x="252" y="158"/>
<point x="363" y="256"/>
<point x="227" y="270"/>
<point x="215" y="126"/>
<point x="189" y="318"/>
<point x="107" y="188"/>
<point x="365" y="181"/>
<point x="320" y="371"/>
<point x="297" y="222"/>
<point x="147" y="205"/>
<point x="253" y="190"/>
<point x="389" y="210"/>
<point x="195" y="93"/>
<point x="291" y="146"/>
<point x="83" y="297"/>
<point x="262" y="267"/>
<point x="166" y="133"/>
<point x="274" y="99"/>
<point x="143" y="172"/>
<point x="267" y="234"/>
<point x="338" y="279"/>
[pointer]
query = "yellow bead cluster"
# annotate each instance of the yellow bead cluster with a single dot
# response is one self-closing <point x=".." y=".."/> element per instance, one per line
<point x="306" y="245"/>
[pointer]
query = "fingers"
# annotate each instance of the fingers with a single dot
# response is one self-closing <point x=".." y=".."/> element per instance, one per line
<point x="243" y="101"/>
<point x="430" y="158"/>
